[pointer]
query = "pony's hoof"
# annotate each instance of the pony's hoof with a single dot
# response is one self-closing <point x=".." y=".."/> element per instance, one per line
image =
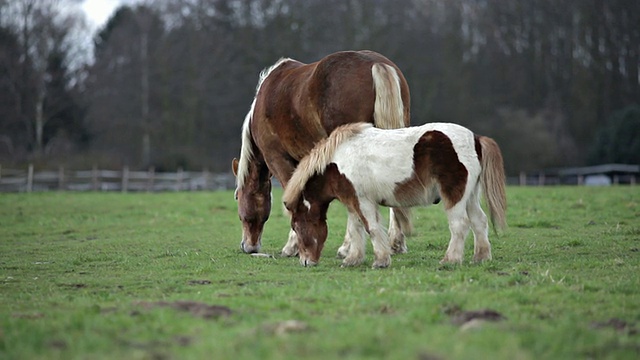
<point x="342" y="253"/>
<point x="381" y="264"/>
<point x="482" y="258"/>
<point x="350" y="262"/>
<point x="289" y="252"/>
<point x="482" y="253"/>
<point x="447" y="260"/>
<point x="399" y="248"/>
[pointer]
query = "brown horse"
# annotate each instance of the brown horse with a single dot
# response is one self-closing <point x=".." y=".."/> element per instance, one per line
<point x="296" y="105"/>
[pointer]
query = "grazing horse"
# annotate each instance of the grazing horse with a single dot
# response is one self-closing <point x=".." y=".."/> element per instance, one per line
<point x="364" y="167"/>
<point x="295" y="106"/>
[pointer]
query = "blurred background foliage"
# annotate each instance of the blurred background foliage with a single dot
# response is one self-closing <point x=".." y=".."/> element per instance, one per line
<point x="168" y="83"/>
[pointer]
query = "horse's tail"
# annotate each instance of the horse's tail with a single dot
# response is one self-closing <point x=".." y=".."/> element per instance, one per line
<point x="388" y="111"/>
<point x="317" y="161"/>
<point x="493" y="181"/>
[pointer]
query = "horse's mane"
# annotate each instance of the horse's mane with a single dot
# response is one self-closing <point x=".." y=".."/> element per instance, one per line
<point x="246" y="151"/>
<point x="317" y="160"/>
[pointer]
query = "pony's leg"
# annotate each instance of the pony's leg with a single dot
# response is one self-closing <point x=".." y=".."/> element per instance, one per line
<point x="379" y="237"/>
<point x="355" y="233"/>
<point x="291" y="247"/>
<point x="480" y="227"/>
<point x="459" y="228"/>
<point x="398" y="217"/>
<point x="381" y="247"/>
<point x="355" y="251"/>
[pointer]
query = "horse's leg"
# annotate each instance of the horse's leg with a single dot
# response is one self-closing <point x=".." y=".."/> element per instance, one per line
<point x="282" y="169"/>
<point x="355" y="233"/>
<point x="480" y="227"/>
<point x="399" y="225"/>
<point x="291" y="247"/>
<point x="459" y="228"/>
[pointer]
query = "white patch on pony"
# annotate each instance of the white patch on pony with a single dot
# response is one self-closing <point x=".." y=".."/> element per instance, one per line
<point x="307" y="204"/>
<point x="360" y="162"/>
<point x="390" y="161"/>
<point x="246" y="154"/>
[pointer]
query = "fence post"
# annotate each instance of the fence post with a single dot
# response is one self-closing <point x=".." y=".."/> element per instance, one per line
<point x="94" y="177"/>
<point x="632" y="181"/>
<point x="205" y="176"/>
<point x="150" y="178"/>
<point x="523" y="178"/>
<point x="180" y="174"/>
<point x="30" y="178"/>
<point x="541" y="179"/>
<point x="61" y="178"/>
<point x="125" y="178"/>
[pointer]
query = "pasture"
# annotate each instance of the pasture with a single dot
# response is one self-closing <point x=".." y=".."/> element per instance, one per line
<point x="161" y="276"/>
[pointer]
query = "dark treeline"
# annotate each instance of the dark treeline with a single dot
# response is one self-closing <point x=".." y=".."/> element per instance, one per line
<point x="555" y="82"/>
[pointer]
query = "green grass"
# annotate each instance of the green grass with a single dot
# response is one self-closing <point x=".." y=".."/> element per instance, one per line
<point x="100" y="276"/>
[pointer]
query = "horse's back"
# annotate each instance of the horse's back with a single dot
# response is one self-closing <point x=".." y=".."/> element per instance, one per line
<point x="299" y="104"/>
<point x="342" y="86"/>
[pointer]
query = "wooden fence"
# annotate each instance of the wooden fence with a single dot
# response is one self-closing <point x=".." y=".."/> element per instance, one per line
<point x="28" y="180"/>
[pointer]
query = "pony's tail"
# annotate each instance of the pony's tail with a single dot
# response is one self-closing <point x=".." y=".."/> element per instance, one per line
<point x="493" y="181"/>
<point x="317" y="161"/>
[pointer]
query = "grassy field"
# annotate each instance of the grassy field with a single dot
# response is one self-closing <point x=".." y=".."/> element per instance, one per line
<point x="161" y="276"/>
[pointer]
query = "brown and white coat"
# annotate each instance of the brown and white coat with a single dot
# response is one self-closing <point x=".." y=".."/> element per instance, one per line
<point x="364" y="167"/>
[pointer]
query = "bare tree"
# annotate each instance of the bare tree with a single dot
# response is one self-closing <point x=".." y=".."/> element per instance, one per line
<point x="43" y="31"/>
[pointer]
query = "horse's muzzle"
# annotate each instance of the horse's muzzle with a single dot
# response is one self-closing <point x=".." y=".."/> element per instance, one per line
<point x="250" y="249"/>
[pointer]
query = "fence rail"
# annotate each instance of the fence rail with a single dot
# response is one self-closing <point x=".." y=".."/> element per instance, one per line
<point x="28" y="180"/>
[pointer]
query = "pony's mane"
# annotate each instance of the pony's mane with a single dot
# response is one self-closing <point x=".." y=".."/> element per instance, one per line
<point x="317" y="160"/>
<point x="246" y="152"/>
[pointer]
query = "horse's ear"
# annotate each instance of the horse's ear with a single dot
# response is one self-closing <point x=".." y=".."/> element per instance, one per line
<point x="234" y="166"/>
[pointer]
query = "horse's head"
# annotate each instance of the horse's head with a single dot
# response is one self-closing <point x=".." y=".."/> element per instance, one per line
<point x="309" y="221"/>
<point x="254" y="205"/>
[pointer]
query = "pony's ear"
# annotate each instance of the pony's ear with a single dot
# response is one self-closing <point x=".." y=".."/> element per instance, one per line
<point x="234" y="166"/>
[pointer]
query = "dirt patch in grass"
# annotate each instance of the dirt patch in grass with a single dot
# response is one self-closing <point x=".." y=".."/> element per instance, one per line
<point x="470" y="319"/>
<point x="199" y="282"/>
<point x="616" y="324"/>
<point x="196" y="309"/>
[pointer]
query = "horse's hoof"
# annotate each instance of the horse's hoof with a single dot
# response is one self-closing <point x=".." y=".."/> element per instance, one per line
<point x="342" y="253"/>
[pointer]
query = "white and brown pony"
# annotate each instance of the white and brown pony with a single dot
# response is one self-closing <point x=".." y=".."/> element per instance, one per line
<point x="295" y="106"/>
<point x="364" y="167"/>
